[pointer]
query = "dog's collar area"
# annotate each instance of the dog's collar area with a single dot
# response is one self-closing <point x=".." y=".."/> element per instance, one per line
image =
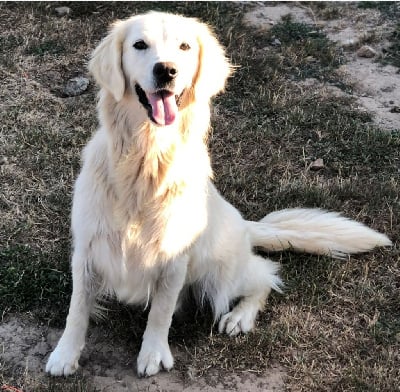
<point x="161" y="107"/>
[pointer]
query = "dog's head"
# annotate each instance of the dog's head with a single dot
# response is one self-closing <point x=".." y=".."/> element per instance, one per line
<point x="160" y="58"/>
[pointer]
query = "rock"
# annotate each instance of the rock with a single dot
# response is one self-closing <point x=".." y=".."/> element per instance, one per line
<point x="62" y="11"/>
<point x="395" y="109"/>
<point x="276" y="42"/>
<point x="366" y="51"/>
<point x="318" y="164"/>
<point x="76" y="86"/>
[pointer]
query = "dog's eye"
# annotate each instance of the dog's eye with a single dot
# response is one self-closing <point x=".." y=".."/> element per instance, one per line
<point x="140" y="45"/>
<point x="184" y="46"/>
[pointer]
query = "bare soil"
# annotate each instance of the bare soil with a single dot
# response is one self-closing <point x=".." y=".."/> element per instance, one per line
<point x="110" y="364"/>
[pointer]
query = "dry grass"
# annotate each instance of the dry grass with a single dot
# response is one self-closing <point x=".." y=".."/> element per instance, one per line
<point x="337" y="326"/>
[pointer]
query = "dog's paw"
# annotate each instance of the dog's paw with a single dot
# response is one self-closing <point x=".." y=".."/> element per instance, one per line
<point x="237" y="321"/>
<point x="153" y="356"/>
<point x="63" y="361"/>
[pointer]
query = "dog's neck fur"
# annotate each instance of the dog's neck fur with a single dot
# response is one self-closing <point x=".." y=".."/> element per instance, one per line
<point x="146" y="167"/>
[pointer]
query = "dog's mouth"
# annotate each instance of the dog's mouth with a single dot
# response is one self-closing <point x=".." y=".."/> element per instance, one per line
<point x="162" y="106"/>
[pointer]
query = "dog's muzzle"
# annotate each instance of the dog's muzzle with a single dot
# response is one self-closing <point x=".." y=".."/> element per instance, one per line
<point x="163" y="105"/>
<point x="165" y="74"/>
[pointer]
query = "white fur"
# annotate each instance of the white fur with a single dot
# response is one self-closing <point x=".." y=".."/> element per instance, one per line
<point x="147" y="220"/>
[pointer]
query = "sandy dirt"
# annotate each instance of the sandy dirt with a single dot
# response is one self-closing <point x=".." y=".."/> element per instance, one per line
<point x="110" y="365"/>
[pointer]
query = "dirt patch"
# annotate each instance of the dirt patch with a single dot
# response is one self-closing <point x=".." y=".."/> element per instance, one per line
<point x="264" y="17"/>
<point x="110" y="366"/>
<point x="375" y="90"/>
<point x="374" y="85"/>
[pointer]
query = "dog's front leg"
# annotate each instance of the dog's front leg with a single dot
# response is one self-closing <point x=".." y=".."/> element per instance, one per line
<point x="155" y="352"/>
<point x="63" y="361"/>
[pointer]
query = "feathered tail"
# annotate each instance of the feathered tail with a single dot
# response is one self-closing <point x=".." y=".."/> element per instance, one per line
<point x="314" y="231"/>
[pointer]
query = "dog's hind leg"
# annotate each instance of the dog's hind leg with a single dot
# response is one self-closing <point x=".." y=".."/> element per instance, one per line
<point x="256" y="282"/>
<point x="63" y="361"/>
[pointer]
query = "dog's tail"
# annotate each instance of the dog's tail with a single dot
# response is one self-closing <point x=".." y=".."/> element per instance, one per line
<point x="314" y="231"/>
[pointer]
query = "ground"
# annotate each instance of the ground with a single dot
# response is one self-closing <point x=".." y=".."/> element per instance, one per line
<point x="306" y="120"/>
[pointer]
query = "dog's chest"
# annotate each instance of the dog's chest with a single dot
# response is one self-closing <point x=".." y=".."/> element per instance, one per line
<point x="164" y="230"/>
<point x="147" y="248"/>
<point x="171" y="204"/>
<point x="186" y="220"/>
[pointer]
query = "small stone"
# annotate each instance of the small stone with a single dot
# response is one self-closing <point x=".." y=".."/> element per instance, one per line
<point x="276" y="42"/>
<point x="395" y="109"/>
<point x="76" y="86"/>
<point x="62" y="11"/>
<point x="318" y="164"/>
<point x="366" y="51"/>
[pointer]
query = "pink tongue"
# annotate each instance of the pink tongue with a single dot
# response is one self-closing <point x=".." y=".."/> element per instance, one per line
<point x="164" y="108"/>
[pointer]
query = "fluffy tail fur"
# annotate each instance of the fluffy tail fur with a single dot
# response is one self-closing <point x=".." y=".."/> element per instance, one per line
<point x="314" y="231"/>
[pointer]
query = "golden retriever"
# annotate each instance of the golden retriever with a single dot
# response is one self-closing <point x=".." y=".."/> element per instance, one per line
<point x="147" y="221"/>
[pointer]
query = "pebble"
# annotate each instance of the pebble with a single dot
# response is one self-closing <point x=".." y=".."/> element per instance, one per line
<point x="76" y="86"/>
<point x="318" y="164"/>
<point x="62" y="11"/>
<point x="276" y="42"/>
<point x="366" y="51"/>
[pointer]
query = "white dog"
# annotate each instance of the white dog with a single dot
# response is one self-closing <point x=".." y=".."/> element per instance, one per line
<point x="147" y="220"/>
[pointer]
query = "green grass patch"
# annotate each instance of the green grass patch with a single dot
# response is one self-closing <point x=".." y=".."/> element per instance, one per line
<point x="391" y="54"/>
<point x="31" y="280"/>
<point x="9" y="42"/>
<point x="306" y="49"/>
<point x="388" y="8"/>
<point x="46" y="47"/>
<point x="290" y="32"/>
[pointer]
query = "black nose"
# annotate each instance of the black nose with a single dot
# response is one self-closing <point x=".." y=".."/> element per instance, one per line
<point x="164" y="72"/>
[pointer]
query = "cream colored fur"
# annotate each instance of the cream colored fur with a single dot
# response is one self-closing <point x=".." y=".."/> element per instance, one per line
<point x="147" y="220"/>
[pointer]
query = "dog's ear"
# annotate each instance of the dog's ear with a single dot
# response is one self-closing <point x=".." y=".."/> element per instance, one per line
<point x="106" y="62"/>
<point x="214" y="68"/>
